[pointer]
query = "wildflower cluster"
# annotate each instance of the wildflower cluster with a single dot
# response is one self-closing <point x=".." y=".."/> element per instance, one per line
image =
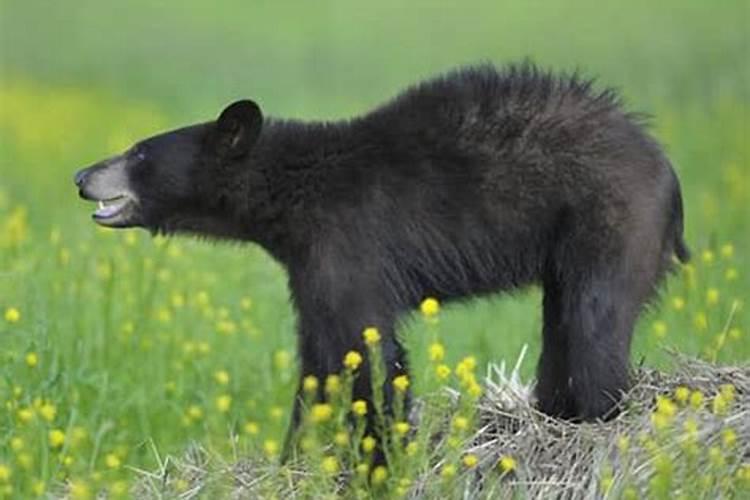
<point x="677" y="448"/>
<point x="706" y="303"/>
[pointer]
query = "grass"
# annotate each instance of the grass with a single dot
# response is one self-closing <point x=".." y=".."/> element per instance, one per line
<point x="118" y="350"/>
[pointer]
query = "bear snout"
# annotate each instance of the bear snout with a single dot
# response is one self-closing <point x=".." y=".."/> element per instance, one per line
<point x="104" y="180"/>
<point x="80" y="177"/>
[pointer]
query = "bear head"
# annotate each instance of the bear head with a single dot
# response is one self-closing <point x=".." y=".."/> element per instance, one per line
<point x="174" y="180"/>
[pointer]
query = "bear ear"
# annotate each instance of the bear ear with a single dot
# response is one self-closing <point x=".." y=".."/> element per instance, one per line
<point x="238" y="127"/>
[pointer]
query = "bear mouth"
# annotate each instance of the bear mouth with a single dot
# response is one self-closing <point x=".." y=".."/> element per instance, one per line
<point x="115" y="212"/>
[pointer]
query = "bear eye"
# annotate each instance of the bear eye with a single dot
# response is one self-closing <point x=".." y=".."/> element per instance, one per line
<point x="139" y="153"/>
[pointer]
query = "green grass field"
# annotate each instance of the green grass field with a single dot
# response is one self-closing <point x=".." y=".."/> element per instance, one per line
<point x="117" y="349"/>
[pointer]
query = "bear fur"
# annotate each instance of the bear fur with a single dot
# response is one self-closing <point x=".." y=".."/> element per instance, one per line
<point x="475" y="182"/>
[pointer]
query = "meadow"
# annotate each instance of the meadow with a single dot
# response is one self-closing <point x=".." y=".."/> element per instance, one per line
<point x="118" y="349"/>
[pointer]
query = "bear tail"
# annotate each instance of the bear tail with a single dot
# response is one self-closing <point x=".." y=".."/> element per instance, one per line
<point x="681" y="249"/>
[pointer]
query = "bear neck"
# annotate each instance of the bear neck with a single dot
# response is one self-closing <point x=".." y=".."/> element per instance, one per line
<point x="278" y="192"/>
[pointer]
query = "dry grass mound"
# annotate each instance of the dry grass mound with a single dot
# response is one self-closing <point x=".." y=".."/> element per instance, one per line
<point x="682" y="434"/>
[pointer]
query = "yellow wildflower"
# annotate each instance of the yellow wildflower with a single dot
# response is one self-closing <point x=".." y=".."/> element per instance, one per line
<point x="281" y="359"/>
<point x="252" y="428"/>
<point x="352" y="360"/>
<point x="56" y="438"/>
<point x="379" y="475"/>
<point x="48" y="411"/>
<point x="623" y="444"/>
<point x="728" y="437"/>
<point x="712" y="296"/>
<point x="223" y="403"/>
<point x="401" y="383"/>
<point x="330" y="465"/>
<point x="696" y="399"/>
<point x="731" y="274"/>
<point x="64" y="256"/>
<point x="188" y="347"/>
<point x="678" y="303"/>
<point x="307" y="443"/>
<point x="665" y="406"/>
<point x="665" y="410"/>
<point x="112" y="461"/>
<point x="411" y="448"/>
<point x="719" y="404"/>
<point x="270" y="447"/>
<point x="474" y="390"/>
<point x="362" y="469"/>
<point x="221" y="377"/>
<point x="368" y="444"/>
<point x="430" y="307"/>
<point x="700" y="320"/>
<point x="466" y="367"/>
<point x="25" y="415"/>
<point x="437" y="351"/>
<point x="78" y="436"/>
<point x="195" y="412"/>
<point x="310" y="383"/>
<point x="744" y="473"/>
<point x="321" y="412"/>
<point x="507" y="464"/>
<point x="470" y="460"/>
<point x="181" y="485"/>
<point x="79" y="490"/>
<point x="38" y="488"/>
<point x="403" y="487"/>
<point x="448" y="470"/>
<point x="659" y="328"/>
<point x="460" y="423"/>
<point x="178" y="300"/>
<point x="341" y="438"/>
<point x="163" y="315"/>
<point x="276" y="412"/>
<point x="119" y="488"/>
<point x="728" y="391"/>
<point x="202" y="299"/>
<point x="16" y="444"/>
<point x="715" y="456"/>
<point x="333" y="384"/>
<point x="359" y="407"/>
<point x="707" y="256"/>
<point x="229" y="327"/>
<point x="12" y="315"/>
<point x="682" y="394"/>
<point x="442" y="371"/>
<point x="32" y="359"/>
<point x="5" y="473"/>
<point x="246" y="303"/>
<point x="25" y="460"/>
<point x="371" y="336"/>
<point x="727" y="251"/>
<point x="401" y="428"/>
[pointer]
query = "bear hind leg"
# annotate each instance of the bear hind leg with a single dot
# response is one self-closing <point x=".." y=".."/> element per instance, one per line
<point x="588" y="326"/>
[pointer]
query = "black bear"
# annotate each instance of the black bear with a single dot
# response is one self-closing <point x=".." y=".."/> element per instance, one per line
<point x="478" y="181"/>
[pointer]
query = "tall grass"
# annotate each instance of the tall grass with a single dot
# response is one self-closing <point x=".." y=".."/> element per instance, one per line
<point x="118" y="349"/>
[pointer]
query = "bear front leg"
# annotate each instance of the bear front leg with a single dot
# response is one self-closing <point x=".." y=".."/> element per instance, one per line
<point x="327" y="332"/>
<point x="311" y="363"/>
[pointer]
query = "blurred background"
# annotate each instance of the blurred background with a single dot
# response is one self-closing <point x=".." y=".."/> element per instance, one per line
<point x="133" y="340"/>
